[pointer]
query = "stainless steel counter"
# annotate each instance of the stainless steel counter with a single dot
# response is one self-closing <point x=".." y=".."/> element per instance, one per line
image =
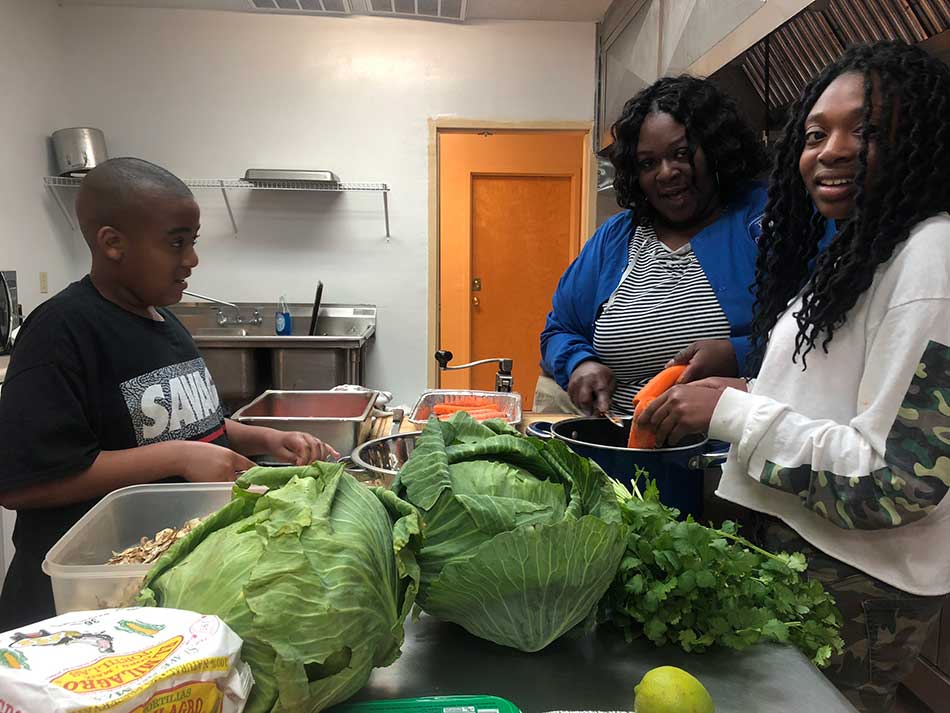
<point x="596" y="672"/>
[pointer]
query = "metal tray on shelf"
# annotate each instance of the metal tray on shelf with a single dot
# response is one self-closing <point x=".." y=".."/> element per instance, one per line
<point x="271" y="174"/>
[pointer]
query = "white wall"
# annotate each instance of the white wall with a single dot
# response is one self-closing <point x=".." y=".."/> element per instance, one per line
<point x="31" y="54"/>
<point x="33" y="81"/>
<point x="211" y="94"/>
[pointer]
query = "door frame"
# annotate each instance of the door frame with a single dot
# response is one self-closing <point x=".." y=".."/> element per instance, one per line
<point x="588" y="205"/>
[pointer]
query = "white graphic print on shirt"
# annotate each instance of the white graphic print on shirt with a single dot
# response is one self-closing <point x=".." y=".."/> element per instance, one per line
<point x="176" y="402"/>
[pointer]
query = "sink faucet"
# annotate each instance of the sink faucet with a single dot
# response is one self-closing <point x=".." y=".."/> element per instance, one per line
<point x="223" y="321"/>
<point x="222" y="318"/>
<point x="504" y="381"/>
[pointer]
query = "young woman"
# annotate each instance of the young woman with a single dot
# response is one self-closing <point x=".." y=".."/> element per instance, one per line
<point x="842" y="445"/>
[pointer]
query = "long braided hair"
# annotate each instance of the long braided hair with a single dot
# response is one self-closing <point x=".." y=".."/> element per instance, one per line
<point x="712" y="121"/>
<point x="912" y="183"/>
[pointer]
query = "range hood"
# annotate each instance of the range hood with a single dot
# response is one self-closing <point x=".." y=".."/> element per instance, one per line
<point x="798" y="51"/>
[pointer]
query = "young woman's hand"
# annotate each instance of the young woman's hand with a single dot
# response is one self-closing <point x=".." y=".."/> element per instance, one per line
<point x="298" y="448"/>
<point x="685" y="409"/>
<point x="207" y="463"/>
<point x="591" y="387"/>
<point x="707" y="357"/>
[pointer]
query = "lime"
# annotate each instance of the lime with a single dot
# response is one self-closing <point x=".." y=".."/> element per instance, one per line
<point x="668" y="689"/>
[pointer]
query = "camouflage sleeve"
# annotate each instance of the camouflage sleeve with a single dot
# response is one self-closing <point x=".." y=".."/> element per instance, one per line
<point x="917" y="475"/>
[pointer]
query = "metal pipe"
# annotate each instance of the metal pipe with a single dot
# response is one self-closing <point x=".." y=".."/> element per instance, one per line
<point x="906" y="19"/>
<point x="210" y="299"/>
<point x="807" y="52"/>
<point x="62" y="207"/>
<point x="944" y="7"/>
<point x="857" y="22"/>
<point x="889" y="23"/>
<point x="755" y="79"/>
<point x="850" y="36"/>
<point x="768" y="93"/>
<point x="932" y="16"/>
<point x="867" y="17"/>
<point x="777" y="91"/>
<point x="227" y="203"/>
<point x="790" y="64"/>
<point x="821" y="30"/>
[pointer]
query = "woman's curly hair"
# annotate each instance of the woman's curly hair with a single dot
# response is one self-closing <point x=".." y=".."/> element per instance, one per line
<point x="911" y="184"/>
<point x="733" y="154"/>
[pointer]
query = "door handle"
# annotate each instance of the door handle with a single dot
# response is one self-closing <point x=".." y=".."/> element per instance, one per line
<point x="476" y="302"/>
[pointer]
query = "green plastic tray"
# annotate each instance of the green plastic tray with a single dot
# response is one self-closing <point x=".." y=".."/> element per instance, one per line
<point x="433" y="704"/>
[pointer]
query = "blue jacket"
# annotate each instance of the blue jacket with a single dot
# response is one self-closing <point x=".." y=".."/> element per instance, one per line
<point x="726" y="250"/>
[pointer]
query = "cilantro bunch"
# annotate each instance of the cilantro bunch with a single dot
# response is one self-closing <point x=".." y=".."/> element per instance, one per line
<point x="696" y="587"/>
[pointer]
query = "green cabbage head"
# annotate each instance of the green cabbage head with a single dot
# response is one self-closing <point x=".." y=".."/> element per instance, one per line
<point x="521" y="537"/>
<point x="317" y="576"/>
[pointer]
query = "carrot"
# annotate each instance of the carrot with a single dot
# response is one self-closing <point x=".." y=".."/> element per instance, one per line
<point x="658" y="385"/>
<point x="488" y="415"/>
<point x="446" y="408"/>
<point x="482" y="416"/>
<point x="470" y="402"/>
<point x="462" y="405"/>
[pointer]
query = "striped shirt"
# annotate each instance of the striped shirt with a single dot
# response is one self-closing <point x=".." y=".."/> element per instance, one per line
<point x="664" y="303"/>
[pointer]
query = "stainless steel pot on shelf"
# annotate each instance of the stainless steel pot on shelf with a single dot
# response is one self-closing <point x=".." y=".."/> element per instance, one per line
<point x="79" y="149"/>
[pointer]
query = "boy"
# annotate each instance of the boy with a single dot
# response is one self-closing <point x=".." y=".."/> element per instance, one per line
<point x="106" y="388"/>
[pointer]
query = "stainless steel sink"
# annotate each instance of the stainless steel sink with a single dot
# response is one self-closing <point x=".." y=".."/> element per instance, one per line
<point x="247" y="359"/>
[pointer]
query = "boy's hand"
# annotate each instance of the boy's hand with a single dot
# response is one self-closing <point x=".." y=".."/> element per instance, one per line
<point x="208" y="463"/>
<point x="298" y="448"/>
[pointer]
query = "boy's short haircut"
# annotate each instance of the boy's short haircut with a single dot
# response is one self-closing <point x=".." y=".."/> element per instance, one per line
<point x="110" y="190"/>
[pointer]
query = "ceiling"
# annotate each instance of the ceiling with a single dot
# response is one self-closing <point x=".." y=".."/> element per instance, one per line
<point x="563" y="10"/>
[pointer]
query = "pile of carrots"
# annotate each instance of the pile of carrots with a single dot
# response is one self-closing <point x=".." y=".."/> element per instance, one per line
<point x="479" y="409"/>
<point x="655" y="387"/>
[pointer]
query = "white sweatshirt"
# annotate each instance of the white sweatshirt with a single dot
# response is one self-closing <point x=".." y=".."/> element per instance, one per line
<point x="854" y="452"/>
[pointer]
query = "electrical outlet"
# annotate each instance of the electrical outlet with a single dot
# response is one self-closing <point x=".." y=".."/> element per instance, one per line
<point x="44" y="283"/>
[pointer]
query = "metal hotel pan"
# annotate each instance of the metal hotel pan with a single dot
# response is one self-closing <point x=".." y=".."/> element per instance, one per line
<point x="678" y="471"/>
<point x="507" y="403"/>
<point x="342" y="419"/>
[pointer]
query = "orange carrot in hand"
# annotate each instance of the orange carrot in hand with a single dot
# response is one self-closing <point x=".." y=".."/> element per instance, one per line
<point x="658" y="385"/>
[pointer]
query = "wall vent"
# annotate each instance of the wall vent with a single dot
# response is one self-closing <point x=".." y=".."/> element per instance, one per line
<point x="305" y="7"/>
<point x="451" y="10"/>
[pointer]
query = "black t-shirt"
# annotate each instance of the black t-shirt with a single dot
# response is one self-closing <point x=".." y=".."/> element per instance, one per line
<point x="85" y="376"/>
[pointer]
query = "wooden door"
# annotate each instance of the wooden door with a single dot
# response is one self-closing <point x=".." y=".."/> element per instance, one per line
<point x="510" y="208"/>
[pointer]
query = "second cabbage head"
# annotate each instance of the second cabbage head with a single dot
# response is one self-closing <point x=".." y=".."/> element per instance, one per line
<point x="521" y="536"/>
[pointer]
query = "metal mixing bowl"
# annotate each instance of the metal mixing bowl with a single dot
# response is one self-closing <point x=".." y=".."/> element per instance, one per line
<point x="383" y="457"/>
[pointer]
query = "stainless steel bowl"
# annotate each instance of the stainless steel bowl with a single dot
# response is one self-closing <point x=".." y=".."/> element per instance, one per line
<point x="383" y="457"/>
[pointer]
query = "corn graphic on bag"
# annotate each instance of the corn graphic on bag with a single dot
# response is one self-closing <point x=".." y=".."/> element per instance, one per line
<point x="140" y="660"/>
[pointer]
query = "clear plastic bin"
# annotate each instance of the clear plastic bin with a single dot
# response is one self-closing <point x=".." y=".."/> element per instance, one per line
<point x="77" y="563"/>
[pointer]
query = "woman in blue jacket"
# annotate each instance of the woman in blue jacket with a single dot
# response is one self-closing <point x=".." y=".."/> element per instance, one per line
<point x="676" y="266"/>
